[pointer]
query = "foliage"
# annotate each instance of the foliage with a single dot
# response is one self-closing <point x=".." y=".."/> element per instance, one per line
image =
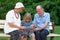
<point x="51" y="6"/>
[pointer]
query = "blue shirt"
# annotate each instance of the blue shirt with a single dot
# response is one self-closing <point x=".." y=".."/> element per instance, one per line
<point x="26" y="24"/>
<point x="40" y="20"/>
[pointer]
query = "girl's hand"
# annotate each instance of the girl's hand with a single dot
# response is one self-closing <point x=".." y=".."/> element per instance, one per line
<point x="33" y="26"/>
<point x="27" y="29"/>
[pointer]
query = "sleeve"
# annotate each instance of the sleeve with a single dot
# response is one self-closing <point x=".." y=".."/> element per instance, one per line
<point x="34" y="20"/>
<point x="9" y="17"/>
<point x="48" y="18"/>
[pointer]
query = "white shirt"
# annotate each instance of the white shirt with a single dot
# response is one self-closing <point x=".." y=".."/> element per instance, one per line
<point x="10" y="17"/>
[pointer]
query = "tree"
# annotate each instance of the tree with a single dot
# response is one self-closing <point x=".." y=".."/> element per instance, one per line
<point x="51" y="6"/>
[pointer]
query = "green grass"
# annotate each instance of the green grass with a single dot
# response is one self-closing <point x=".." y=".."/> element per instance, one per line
<point x="1" y="38"/>
<point x="56" y="30"/>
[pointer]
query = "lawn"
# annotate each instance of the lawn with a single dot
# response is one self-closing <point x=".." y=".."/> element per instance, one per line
<point x="56" y="30"/>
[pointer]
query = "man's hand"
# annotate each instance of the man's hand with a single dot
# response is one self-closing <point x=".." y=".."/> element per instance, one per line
<point x="36" y="29"/>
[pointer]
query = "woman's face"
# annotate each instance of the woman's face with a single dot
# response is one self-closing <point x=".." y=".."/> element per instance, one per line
<point x="19" y="10"/>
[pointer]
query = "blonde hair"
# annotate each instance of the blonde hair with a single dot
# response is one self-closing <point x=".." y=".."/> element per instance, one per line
<point x="27" y="16"/>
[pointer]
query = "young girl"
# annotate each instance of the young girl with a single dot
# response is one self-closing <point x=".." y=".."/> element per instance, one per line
<point x="27" y="22"/>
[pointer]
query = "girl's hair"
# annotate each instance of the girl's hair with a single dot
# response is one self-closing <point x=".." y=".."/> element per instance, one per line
<point x="27" y="16"/>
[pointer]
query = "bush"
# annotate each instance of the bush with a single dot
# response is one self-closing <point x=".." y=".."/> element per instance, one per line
<point x="51" y="6"/>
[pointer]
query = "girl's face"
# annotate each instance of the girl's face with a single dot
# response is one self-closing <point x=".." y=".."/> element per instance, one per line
<point x="27" y="20"/>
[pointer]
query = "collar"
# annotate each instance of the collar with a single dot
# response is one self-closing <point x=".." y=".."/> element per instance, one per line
<point x="43" y="15"/>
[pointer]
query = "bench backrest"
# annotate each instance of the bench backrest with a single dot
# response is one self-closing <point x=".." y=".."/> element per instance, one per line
<point x="51" y="27"/>
<point x="2" y="22"/>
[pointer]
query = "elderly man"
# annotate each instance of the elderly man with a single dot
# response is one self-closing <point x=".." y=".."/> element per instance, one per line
<point x="13" y="22"/>
<point x="41" y="20"/>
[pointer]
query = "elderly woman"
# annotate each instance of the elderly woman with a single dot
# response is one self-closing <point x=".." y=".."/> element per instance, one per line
<point x="13" y="22"/>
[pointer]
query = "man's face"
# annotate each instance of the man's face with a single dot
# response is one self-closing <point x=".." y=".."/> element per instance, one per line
<point x="19" y="10"/>
<point x="39" y="10"/>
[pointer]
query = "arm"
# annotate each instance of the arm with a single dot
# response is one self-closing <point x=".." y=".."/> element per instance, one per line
<point x="46" y="22"/>
<point x="15" y="26"/>
<point x="10" y="21"/>
<point x="33" y="25"/>
<point x="44" y="26"/>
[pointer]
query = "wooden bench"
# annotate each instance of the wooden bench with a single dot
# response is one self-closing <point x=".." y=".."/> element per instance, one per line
<point x="52" y="34"/>
<point x="51" y="27"/>
<point x="2" y="22"/>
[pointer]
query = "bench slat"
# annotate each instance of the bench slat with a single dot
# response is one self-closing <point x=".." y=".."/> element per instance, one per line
<point x="2" y="21"/>
<point x="1" y="26"/>
<point x="4" y="35"/>
<point x="53" y="35"/>
<point x="50" y="35"/>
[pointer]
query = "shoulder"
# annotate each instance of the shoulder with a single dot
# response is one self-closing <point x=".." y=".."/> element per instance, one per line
<point x="36" y="14"/>
<point x="10" y="13"/>
<point x="46" y="14"/>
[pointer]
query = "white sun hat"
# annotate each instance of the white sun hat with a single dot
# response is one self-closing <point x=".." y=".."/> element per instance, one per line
<point x="19" y="5"/>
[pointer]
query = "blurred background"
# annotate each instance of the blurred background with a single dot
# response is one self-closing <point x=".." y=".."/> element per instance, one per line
<point x="50" y="6"/>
